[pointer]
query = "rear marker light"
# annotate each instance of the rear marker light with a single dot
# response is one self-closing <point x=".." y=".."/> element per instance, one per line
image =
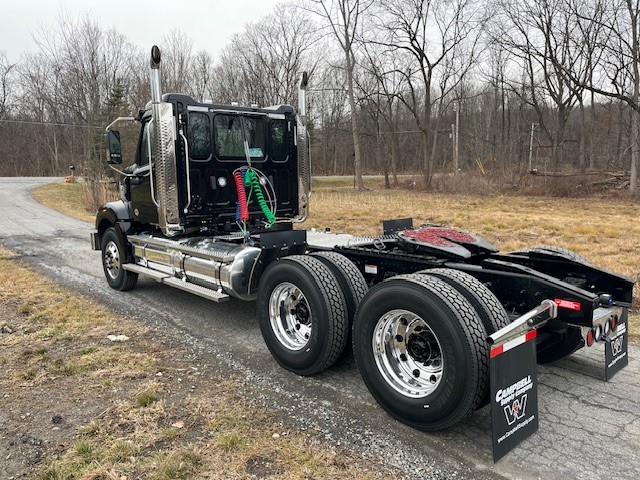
<point x="568" y="304"/>
<point x="590" y="337"/>
<point x="607" y="327"/>
<point x="598" y="333"/>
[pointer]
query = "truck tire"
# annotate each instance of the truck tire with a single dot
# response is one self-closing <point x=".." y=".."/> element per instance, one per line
<point x="487" y="306"/>
<point x="302" y="314"/>
<point x="113" y="257"/>
<point x="489" y="309"/>
<point x="557" y="251"/>
<point x="420" y="348"/>
<point x="351" y="281"/>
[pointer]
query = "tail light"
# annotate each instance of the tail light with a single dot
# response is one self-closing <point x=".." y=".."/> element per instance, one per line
<point x="590" y="337"/>
<point x="614" y="322"/>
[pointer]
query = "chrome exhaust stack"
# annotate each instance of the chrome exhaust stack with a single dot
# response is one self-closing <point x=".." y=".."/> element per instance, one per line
<point x="164" y="191"/>
<point x="302" y="96"/>
<point x="304" y="155"/>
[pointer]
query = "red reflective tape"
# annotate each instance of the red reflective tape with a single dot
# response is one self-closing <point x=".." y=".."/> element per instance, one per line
<point x="567" y="304"/>
<point x="495" y="351"/>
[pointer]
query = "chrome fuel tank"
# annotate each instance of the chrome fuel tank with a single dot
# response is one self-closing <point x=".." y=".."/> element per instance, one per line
<point x="215" y="263"/>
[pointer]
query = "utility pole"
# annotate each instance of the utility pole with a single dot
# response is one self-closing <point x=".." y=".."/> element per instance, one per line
<point x="533" y="127"/>
<point x="453" y="146"/>
<point x="456" y="133"/>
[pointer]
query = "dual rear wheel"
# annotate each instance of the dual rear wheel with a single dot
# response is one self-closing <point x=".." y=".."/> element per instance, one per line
<point x="419" y="339"/>
<point x="306" y="306"/>
<point x="420" y="345"/>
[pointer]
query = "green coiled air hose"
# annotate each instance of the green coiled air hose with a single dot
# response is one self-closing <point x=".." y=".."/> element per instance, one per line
<point x="251" y="180"/>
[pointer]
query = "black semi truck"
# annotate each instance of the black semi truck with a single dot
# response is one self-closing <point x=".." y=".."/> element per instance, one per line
<point x="440" y="322"/>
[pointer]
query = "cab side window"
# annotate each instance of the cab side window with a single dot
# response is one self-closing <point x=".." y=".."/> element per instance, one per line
<point x="146" y="153"/>
<point x="199" y="136"/>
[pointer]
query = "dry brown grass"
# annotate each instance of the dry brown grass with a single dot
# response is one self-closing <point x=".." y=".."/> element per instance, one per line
<point x="67" y="198"/>
<point x="605" y="230"/>
<point x="79" y="199"/>
<point x="137" y="409"/>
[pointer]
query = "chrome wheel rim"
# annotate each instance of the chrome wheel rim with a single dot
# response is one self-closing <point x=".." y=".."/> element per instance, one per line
<point x="407" y="353"/>
<point x="290" y="316"/>
<point x="112" y="260"/>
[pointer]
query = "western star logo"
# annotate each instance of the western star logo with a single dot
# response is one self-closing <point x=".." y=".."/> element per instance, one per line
<point x="516" y="410"/>
<point x="616" y="345"/>
<point x="508" y="395"/>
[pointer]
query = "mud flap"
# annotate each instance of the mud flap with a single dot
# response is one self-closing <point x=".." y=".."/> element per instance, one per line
<point x="514" y="393"/>
<point x="615" y="349"/>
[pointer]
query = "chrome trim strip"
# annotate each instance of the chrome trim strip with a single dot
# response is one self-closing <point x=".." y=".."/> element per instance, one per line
<point x="186" y="167"/>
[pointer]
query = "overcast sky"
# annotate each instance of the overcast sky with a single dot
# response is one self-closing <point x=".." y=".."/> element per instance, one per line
<point x="209" y="23"/>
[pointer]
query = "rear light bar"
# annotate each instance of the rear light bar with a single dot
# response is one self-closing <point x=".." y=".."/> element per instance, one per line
<point x="605" y="321"/>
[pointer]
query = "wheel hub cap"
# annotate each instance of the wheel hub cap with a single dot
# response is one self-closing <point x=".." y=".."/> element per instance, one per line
<point x="290" y="317"/>
<point x="407" y="353"/>
<point x="112" y="260"/>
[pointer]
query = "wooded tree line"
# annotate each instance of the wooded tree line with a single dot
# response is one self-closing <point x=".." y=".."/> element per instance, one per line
<point x="427" y="87"/>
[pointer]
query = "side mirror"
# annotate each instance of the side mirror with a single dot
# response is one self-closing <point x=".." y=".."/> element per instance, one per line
<point x="114" y="148"/>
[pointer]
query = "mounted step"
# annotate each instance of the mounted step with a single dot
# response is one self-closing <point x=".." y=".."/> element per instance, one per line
<point x="155" y="274"/>
<point x="167" y="279"/>
<point x="213" y="295"/>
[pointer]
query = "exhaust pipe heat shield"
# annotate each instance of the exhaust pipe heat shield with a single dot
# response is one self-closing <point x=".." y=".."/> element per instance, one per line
<point x="164" y="141"/>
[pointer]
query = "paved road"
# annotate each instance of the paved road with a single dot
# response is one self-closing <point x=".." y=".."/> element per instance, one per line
<point x="588" y="429"/>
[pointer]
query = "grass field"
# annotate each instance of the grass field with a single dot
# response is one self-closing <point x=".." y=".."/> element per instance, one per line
<point x="606" y="230"/>
<point x="67" y="198"/>
<point x="83" y="407"/>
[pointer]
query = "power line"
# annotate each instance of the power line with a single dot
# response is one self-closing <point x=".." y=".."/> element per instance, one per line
<point x="33" y="122"/>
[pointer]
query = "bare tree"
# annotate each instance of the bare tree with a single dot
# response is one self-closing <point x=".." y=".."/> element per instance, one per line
<point x="177" y="48"/>
<point x="330" y="111"/>
<point x="263" y="64"/>
<point x="440" y="38"/>
<point x="609" y="43"/>
<point x="201" y="77"/>
<point x="76" y="71"/>
<point x="344" y="18"/>
<point x="539" y="34"/>
<point x="385" y="93"/>
<point x="7" y="70"/>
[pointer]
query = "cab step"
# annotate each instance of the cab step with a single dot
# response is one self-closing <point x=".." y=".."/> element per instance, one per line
<point x="208" y="293"/>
